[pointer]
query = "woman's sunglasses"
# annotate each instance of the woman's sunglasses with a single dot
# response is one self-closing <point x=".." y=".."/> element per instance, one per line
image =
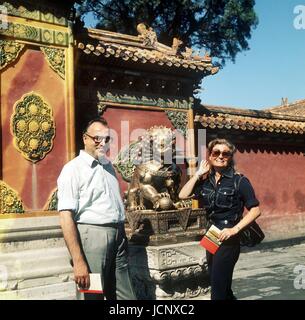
<point x="99" y="139"/>
<point x="217" y="153"/>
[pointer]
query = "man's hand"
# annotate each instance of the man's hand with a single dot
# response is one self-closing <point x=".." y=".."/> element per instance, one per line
<point x="81" y="274"/>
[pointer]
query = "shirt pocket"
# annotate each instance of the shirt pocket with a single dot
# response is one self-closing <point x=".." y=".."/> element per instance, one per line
<point x="206" y="196"/>
<point x="224" y="197"/>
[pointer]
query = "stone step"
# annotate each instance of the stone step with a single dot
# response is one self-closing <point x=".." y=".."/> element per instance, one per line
<point x="40" y="277"/>
<point x="34" y="260"/>
<point x="58" y="291"/>
<point x="38" y="254"/>
<point x="29" y="233"/>
<point x="34" y="253"/>
<point x="35" y="263"/>
<point x="34" y="268"/>
<point x="18" y="246"/>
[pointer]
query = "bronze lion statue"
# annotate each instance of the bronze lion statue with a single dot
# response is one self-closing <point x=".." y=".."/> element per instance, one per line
<point x="153" y="173"/>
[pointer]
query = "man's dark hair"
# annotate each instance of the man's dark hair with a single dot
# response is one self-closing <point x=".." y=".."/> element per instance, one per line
<point x="89" y="123"/>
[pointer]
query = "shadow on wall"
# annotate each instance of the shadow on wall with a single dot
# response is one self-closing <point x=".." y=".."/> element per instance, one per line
<point x="276" y="149"/>
<point x="269" y="199"/>
<point x="299" y="198"/>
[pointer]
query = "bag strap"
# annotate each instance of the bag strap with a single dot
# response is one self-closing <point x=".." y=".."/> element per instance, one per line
<point x="237" y="181"/>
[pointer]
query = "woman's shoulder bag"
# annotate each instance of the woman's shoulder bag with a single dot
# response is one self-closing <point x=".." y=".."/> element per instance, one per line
<point x="252" y="234"/>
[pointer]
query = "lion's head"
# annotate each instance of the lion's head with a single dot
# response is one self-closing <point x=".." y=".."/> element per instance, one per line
<point x="159" y="140"/>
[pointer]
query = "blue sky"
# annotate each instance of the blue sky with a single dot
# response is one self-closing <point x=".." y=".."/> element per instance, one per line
<point x="273" y="68"/>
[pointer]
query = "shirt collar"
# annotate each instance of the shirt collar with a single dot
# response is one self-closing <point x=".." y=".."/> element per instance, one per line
<point x="88" y="158"/>
<point x="228" y="172"/>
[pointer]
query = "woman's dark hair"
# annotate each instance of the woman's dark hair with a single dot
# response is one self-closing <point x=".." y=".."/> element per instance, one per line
<point x="225" y="142"/>
<point x="89" y="123"/>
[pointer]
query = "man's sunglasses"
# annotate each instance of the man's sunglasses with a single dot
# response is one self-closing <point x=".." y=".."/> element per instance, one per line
<point x="99" y="139"/>
<point x="217" y="153"/>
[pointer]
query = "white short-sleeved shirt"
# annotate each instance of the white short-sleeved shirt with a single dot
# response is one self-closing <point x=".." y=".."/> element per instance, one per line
<point x="91" y="190"/>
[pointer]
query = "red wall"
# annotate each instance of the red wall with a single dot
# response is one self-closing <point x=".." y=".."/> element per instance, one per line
<point x="33" y="182"/>
<point x="277" y="175"/>
<point x="136" y="118"/>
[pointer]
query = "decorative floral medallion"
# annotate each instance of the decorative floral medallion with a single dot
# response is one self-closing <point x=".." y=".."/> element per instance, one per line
<point x="56" y="59"/>
<point x="9" y="200"/>
<point x="9" y="51"/>
<point x="179" y="120"/>
<point x="52" y="201"/>
<point x="33" y="127"/>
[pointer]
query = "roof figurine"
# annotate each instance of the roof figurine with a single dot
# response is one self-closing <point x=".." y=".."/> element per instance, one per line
<point x="296" y="108"/>
<point x="144" y="48"/>
<point x="147" y="35"/>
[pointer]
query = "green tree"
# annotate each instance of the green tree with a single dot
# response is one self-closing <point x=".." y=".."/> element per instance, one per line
<point x="222" y="27"/>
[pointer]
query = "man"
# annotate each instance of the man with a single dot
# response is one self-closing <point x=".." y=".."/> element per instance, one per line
<point x="92" y="216"/>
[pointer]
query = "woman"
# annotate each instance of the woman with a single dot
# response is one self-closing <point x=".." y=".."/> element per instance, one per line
<point x="224" y="193"/>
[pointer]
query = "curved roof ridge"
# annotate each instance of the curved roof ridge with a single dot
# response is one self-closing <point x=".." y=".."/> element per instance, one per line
<point x="264" y="114"/>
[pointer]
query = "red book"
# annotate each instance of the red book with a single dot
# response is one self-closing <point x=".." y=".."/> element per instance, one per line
<point x="210" y="240"/>
<point x="95" y="284"/>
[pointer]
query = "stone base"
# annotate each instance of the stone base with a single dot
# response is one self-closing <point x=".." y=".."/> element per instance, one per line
<point x="168" y="272"/>
<point x="139" y="238"/>
<point x="148" y="227"/>
<point x="34" y="260"/>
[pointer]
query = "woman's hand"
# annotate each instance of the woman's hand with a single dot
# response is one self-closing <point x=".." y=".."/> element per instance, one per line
<point x="204" y="168"/>
<point x="187" y="189"/>
<point x="227" y="233"/>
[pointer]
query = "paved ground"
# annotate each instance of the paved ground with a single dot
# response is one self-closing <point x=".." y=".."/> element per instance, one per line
<point x="271" y="274"/>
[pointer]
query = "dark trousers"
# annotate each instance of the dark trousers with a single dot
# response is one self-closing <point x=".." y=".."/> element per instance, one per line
<point x="220" y="268"/>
